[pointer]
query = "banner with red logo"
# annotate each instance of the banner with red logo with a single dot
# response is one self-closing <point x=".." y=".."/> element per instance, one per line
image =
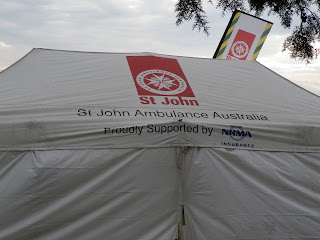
<point x="243" y="37"/>
<point x="160" y="80"/>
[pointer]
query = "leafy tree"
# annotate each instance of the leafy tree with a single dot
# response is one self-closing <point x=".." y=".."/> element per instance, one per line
<point x="299" y="43"/>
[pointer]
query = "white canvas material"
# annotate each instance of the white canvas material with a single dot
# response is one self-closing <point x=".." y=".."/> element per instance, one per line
<point x="150" y="146"/>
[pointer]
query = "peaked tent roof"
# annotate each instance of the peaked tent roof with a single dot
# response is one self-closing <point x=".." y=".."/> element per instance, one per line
<point x="54" y="99"/>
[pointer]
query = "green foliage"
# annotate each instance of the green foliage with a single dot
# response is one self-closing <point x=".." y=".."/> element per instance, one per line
<point x="192" y="9"/>
<point x="299" y="43"/>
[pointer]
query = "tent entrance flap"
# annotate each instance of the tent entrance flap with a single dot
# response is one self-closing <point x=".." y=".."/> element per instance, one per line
<point x="89" y="194"/>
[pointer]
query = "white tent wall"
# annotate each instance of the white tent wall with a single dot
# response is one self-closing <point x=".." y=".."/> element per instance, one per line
<point x="135" y="194"/>
<point x="89" y="194"/>
<point x="251" y="194"/>
<point x="145" y="146"/>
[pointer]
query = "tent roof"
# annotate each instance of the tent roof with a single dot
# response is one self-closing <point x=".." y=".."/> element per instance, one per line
<point x="53" y="99"/>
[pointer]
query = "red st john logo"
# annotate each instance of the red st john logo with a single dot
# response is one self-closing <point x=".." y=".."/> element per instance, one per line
<point x="241" y="45"/>
<point x="157" y="76"/>
<point x="161" y="81"/>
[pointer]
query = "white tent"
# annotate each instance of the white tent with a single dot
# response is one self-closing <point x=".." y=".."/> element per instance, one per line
<point x="149" y="146"/>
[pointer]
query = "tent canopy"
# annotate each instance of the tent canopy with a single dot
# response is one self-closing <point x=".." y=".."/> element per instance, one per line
<point x="148" y="146"/>
<point x="64" y="100"/>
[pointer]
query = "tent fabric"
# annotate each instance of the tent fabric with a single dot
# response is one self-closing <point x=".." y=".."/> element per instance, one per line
<point x="138" y="194"/>
<point x="89" y="194"/>
<point x="151" y="146"/>
<point x="252" y="194"/>
<point x="75" y="100"/>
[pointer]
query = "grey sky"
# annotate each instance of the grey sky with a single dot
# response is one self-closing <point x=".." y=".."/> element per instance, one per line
<point x="130" y="26"/>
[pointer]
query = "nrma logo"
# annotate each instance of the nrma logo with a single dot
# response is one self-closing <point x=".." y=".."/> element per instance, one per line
<point x="236" y="133"/>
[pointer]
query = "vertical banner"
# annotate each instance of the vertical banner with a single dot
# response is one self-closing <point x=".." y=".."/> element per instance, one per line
<point x="243" y="37"/>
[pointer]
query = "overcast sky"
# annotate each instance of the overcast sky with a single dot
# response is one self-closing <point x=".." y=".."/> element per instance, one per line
<point x="131" y="26"/>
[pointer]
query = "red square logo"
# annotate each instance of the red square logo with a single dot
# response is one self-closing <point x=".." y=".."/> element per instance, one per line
<point x="158" y="76"/>
<point x="241" y="45"/>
